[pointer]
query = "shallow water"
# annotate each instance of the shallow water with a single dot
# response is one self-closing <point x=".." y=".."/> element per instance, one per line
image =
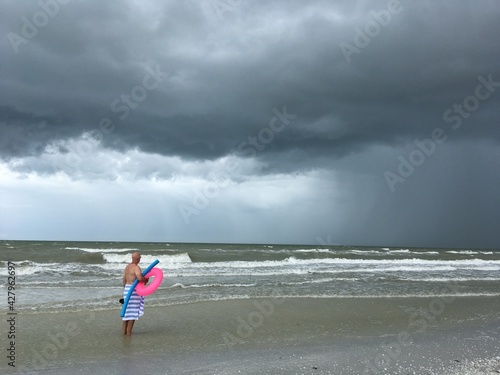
<point x="269" y="336"/>
<point x="69" y="276"/>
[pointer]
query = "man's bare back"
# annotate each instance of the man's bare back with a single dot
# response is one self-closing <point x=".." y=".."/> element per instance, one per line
<point x="131" y="273"/>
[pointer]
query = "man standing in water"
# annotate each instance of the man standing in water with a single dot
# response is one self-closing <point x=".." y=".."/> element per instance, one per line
<point x="135" y="307"/>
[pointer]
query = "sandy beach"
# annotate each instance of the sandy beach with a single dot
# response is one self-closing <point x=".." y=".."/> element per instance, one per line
<point x="269" y="336"/>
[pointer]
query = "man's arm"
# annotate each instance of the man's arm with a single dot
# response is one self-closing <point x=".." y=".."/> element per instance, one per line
<point x="138" y="275"/>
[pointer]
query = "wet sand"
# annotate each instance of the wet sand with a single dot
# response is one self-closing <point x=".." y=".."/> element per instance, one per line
<point x="268" y="336"/>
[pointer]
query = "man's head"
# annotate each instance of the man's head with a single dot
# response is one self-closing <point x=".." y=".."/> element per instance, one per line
<point x="136" y="257"/>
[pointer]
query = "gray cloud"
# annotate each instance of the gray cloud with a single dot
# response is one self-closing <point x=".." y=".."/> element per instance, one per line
<point x="225" y="76"/>
<point x="221" y="75"/>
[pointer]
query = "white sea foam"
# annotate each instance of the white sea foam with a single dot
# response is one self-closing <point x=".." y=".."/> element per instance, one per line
<point x="147" y="259"/>
<point x="99" y="250"/>
<point x="320" y="281"/>
<point x="211" y="285"/>
<point x="59" y="282"/>
<point x="366" y="252"/>
<point x="452" y="279"/>
<point x="26" y="268"/>
<point x="182" y="264"/>
<point x="312" y="251"/>
<point x="467" y="263"/>
<point x="387" y="251"/>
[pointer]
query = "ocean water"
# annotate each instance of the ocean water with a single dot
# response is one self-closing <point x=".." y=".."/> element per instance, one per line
<point x="75" y="276"/>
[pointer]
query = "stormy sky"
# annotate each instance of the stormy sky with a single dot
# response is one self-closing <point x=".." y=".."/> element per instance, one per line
<point x="280" y="121"/>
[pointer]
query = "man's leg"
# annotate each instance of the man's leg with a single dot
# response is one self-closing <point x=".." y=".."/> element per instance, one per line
<point x="130" y="325"/>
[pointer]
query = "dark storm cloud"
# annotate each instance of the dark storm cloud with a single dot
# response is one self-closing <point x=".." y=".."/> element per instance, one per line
<point x="330" y="107"/>
<point x="224" y="74"/>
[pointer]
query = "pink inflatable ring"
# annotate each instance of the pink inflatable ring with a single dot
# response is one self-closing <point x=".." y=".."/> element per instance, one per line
<point x="145" y="290"/>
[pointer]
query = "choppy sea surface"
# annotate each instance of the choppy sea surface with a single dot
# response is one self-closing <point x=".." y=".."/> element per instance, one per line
<point x="73" y="276"/>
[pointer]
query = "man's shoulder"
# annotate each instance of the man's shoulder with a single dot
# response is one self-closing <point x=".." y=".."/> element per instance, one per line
<point x="134" y="267"/>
